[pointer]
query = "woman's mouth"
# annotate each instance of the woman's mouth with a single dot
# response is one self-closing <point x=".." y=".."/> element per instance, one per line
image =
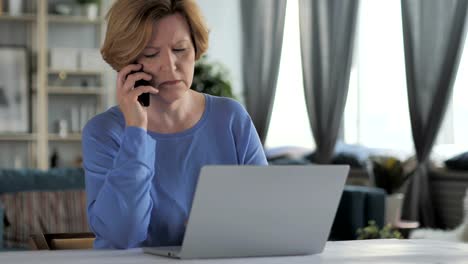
<point x="168" y="83"/>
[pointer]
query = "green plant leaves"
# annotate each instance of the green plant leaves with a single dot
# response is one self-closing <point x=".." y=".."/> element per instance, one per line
<point x="211" y="78"/>
<point x="372" y="231"/>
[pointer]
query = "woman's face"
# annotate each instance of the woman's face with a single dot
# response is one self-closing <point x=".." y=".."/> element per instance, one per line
<point x="169" y="57"/>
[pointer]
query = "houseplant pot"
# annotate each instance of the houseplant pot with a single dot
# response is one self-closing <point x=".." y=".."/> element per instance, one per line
<point x="89" y="8"/>
<point x="393" y="206"/>
<point x="15" y="7"/>
<point x="389" y="174"/>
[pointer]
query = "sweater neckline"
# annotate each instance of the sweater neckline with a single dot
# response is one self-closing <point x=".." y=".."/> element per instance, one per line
<point x="188" y="131"/>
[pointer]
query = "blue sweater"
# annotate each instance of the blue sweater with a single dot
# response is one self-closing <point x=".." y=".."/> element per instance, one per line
<point x="140" y="184"/>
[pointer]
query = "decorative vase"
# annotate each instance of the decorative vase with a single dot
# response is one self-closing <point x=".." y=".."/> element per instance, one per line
<point x="15" y="7"/>
<point x="393" y="206"/>
<point x="90" y="11"/>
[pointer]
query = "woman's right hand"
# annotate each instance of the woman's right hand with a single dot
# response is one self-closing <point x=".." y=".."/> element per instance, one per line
<point x="135" y="114"/>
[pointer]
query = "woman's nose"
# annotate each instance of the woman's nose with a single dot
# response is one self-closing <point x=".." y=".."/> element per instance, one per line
<point x="168" y="61"/>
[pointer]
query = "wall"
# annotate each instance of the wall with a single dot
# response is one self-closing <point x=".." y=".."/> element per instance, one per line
<point x="224" y="21"/>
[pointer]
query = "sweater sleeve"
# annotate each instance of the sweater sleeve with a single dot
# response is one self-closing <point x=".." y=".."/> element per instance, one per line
<point x="249" y="147"/>
<point x="119" y="169"/>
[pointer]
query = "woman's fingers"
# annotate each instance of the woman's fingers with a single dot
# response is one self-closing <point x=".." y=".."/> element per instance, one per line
<point x="134" y="113"/>
<point x="133" y="78"/>
<point x="122" y="77"/>
<point x="125" y="71"/>
<point x="140" y="90"/>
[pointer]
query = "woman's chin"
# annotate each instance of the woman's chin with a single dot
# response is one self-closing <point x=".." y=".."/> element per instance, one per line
<point x="169" y="96"/>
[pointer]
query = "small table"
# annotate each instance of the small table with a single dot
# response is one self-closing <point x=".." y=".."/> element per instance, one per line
<point x="405" y="227"/>
<point x="356" y="251"/>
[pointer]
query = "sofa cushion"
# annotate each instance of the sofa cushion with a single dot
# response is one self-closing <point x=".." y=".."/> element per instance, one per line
<point x="358" y="205"/>
<point x="42" y="212"/>
<point x="57" y="179"/>
<point x="1" y="227"/>
<point x="339" y="158"/>
<point x="459" y="162"/>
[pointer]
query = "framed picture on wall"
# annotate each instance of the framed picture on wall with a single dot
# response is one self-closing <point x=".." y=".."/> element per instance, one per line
<point x="14" y="89"/>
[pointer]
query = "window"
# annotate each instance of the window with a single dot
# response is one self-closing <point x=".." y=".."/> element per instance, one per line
<point x="453" y="135"/>
<point x="289" y="124"/>
<point x="377" y="112"/>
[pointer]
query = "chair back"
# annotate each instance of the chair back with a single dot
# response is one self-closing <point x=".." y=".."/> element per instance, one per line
<point x="60" y="241"/>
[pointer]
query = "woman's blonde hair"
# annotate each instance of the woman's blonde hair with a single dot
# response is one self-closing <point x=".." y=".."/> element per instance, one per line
<point x="130" y="24"/>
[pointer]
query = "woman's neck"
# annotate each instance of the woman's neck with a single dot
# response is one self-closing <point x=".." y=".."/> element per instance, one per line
<point x="177" y="116"/>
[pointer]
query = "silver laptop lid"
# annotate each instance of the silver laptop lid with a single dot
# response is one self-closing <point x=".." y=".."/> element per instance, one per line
<point x="241" y="211"/>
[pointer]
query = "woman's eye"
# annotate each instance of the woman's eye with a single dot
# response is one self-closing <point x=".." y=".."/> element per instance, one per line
<point x="150" y="55"/>
<point x="179" y="50"/>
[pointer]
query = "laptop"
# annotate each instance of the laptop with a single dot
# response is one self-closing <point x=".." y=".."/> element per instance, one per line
<point x="254" y="211"/>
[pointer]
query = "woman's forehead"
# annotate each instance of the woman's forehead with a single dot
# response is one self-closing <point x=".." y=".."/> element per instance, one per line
<point x="169" y="30"/>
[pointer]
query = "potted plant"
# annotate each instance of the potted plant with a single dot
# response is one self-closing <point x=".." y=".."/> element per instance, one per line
<point x="372" y="231"/>
<point x="211" y="78"/>
<point x="89" y="8"/>
<point x="390" y="174"/>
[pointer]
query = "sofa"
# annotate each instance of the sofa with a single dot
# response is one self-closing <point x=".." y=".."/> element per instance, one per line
<point x="54" y="201"/>
<point x="448" y="189"/>
<point x="34" y="201"/>
<point x="358" y="206"/>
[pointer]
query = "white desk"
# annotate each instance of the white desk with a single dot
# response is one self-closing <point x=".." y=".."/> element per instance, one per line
<point x="366" y="251"/>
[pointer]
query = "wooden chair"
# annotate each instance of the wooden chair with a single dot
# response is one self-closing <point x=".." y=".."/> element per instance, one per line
<point x="62" y="241"/>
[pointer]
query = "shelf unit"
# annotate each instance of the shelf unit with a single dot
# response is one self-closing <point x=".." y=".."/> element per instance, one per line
<point x="18" y="137"/>
<point x="69" y="137"/>
<point x="77" y="73"/>
<point x="22" y="18"/>
<point x="73" y="19"/>
<point x="76" y="90"/>
<point x="45" y="93"/>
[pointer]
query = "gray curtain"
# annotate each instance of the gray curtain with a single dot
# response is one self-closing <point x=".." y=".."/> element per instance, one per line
<point x="433" y="40"/>
<point x="263" y="26"/>
<point x="327" y="30"/>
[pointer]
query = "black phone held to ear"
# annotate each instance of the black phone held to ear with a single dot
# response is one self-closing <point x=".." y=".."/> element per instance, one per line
<point x="144" y="98"/>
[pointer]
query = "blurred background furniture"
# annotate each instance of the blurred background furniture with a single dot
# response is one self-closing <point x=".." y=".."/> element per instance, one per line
<point x="62" y="241"/>
<point x="448" y="188"/>
<point x="66" y="80"/>
<point x="41" y="202"/>
<point x="358" y="206"/>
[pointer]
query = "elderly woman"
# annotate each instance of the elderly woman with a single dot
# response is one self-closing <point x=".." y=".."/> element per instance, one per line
<point x="142" y="163"/>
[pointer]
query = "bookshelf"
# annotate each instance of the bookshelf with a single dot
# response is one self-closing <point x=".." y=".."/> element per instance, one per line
<point x="53" y="91"/>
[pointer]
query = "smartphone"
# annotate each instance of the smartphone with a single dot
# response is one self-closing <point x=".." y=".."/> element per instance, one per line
<point x="144" y="98"/>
